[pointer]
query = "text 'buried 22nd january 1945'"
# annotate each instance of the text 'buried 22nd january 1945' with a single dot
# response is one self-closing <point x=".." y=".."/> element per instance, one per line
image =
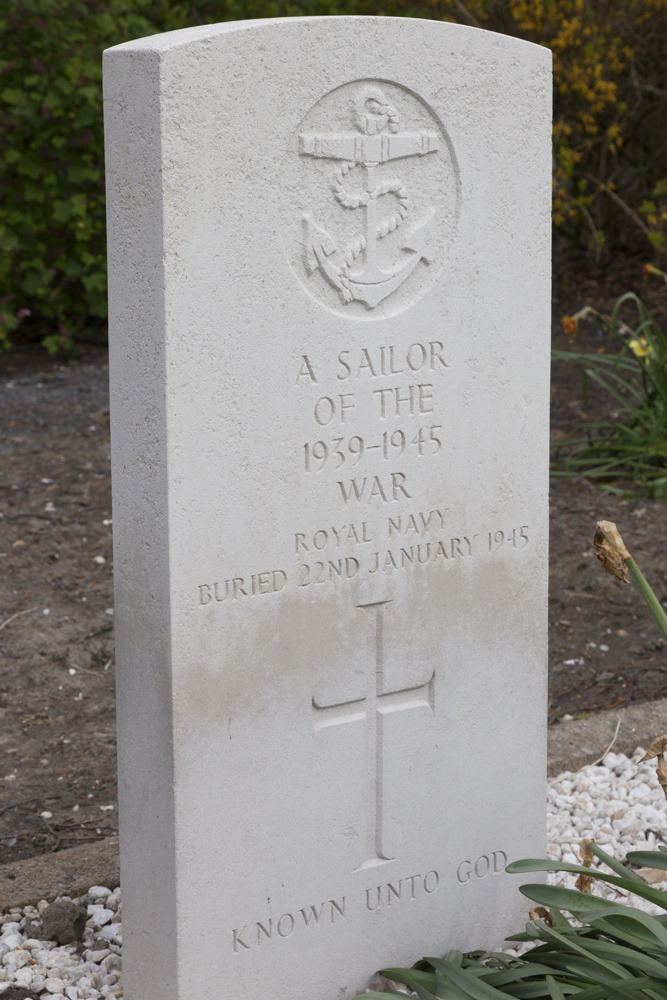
<point x="398" y="546"/>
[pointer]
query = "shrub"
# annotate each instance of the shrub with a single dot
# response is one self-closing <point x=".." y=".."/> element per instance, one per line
<point x="610" y="114"/>
<point x="52" y="212"/>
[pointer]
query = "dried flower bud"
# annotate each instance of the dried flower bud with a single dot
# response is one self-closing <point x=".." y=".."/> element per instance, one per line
<point x="541" y="913"/>
<point x="610" y="550"/>
<point x="662" y="774"/>
<point x="656" y="748"/>
<point x="584" y="882"/>
<point x="585" y="854"/>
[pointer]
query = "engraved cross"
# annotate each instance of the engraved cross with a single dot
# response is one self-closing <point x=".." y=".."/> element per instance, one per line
<point x="373" y="707"/>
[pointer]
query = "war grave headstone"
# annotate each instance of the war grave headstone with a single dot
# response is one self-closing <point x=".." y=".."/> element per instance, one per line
<point x="329" y="330"/>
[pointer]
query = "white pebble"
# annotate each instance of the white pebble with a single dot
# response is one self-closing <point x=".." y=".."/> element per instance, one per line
<point x="100" y="915"/>
<point x="617" y="804"/>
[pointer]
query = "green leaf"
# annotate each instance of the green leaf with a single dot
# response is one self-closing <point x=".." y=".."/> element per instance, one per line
<point x="412" y="977"/>
<point x="628" y="929"/>
<point x="502" y="977"/>
<point x="555" y="990"/>
<point x="471" y="985"/>
<point x="542" y="865"/>
<point x="572" y="963"/>
<point x="645" y="928"/>
<point x="648" y="859"/>
<point x="629" y="957"/>
<point x="615" y="865"/>
<point x="565" y="899"/>
<point x="414" y="984"/>
<point x="538" y="988"/>
<point x="583" y="948"/>
<point x="627" y="989"/>
<point x="445" y="989"/>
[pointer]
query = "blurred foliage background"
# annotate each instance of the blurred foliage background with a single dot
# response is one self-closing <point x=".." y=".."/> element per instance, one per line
<point x="610" y="131"/>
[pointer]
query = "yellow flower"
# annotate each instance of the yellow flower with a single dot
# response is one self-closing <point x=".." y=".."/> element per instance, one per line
<point x="640" y="348"/>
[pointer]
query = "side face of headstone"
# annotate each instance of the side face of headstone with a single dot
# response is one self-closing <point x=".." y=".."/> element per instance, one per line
<point x="329" y="291"/>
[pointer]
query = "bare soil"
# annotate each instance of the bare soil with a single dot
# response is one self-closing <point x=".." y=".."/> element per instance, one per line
<point x="57" y="733"/>
<point x="604" y="648"/>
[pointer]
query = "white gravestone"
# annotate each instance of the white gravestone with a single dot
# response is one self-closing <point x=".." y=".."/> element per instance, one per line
<point x="329" y="291"/>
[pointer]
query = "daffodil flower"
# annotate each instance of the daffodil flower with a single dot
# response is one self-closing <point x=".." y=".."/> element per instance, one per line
<point x="640" y="348"/>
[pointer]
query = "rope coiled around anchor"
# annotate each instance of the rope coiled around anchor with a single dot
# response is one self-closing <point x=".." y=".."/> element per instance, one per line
<point x="359" y="199"/>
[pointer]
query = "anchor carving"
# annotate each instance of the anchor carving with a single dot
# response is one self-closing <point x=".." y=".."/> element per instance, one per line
<point x="354" y="270"/>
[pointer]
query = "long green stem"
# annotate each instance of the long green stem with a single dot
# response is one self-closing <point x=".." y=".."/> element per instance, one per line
<point x="644" y="589"/>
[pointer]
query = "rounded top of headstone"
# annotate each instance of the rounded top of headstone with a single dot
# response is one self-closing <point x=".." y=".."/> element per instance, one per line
<point x="207" y="32"/>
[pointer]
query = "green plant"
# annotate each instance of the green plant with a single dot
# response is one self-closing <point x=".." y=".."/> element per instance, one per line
<point x="613" y="952"/>
<point x="630" y="442"/>
<point x="614" y="556"/>
<point x="52" y="209"/>
<point x="606" y="105"/>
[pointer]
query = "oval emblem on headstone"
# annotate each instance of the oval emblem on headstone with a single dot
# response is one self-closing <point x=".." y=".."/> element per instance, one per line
<point x="372" y="199"/>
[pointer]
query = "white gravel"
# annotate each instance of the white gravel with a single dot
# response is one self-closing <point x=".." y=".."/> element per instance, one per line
<point x="70" y="972"/>
<point x="618" y="803"/>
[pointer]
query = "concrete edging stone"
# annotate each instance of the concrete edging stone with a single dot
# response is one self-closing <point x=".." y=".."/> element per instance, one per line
<point x="69" y="872"/>
<point x="581" y="741"/>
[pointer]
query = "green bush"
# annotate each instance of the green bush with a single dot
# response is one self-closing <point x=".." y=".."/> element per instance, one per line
<point x="52" y="214"/>
<point x="610" y="114"/>
<point x="610" y="157"/>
